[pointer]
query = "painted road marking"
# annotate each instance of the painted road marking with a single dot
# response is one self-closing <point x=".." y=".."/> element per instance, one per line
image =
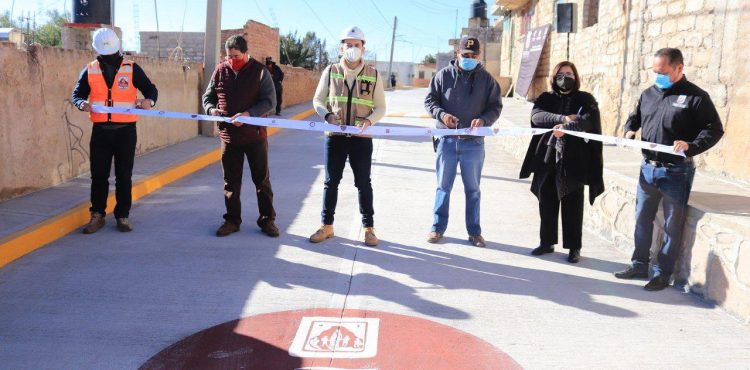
<point x="336" y="337"/>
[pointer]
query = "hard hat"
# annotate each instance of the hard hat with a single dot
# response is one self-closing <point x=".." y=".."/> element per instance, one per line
<point x="353" y="33"/>
<point x="106" y="41"/>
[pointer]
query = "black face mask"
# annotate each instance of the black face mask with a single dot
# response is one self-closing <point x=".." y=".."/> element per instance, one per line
<point x="565" y="83"/>
<point x="112" y="59"/>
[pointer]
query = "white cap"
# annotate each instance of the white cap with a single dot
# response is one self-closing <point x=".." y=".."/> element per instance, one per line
<point x="353" y="33"/>
<point x="106" y="41"/>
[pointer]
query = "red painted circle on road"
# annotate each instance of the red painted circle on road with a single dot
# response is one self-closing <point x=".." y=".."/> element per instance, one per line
<point x="324" y="339"/>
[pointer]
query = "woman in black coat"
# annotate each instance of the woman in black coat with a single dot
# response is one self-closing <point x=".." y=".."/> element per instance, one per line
<point x="563" y="164"/>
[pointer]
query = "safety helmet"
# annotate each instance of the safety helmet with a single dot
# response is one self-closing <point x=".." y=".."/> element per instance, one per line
<point x="105" y="41"/>
<point x="353" y="33"/>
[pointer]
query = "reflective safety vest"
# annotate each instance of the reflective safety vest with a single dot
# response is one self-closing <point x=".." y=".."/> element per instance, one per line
<point x="352" y="103"/>
<point x="122" y="94"/>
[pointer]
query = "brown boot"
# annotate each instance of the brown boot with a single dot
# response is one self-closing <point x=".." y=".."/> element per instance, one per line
<point x="95" y="223"/>
<point x="226" y="229"/>
<point x="124" y="225"/>
<point x="370" y="239"/>
<point x="434" y="237"/>
<point x="325" y="232"/>
<point x="477" y="241"/>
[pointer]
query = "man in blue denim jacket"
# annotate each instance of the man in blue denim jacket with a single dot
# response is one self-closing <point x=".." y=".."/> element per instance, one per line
<point x="462" y="95"/>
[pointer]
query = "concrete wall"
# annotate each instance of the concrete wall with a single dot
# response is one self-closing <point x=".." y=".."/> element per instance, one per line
<point x="44" y="141"/>
<point x="614" y="58"/>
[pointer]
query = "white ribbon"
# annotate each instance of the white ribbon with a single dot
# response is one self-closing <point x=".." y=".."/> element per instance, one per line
<point x="385" y="131"/>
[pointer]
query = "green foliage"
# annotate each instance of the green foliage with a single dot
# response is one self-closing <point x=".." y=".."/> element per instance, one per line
<point x="308" y="52"/>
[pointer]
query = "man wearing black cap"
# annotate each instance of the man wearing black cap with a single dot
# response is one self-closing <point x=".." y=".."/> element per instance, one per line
<point x="462" y="95"/>
<point x="278" y="76"/>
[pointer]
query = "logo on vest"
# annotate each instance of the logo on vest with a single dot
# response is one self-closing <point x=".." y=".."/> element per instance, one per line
<point x="123" y="83"/>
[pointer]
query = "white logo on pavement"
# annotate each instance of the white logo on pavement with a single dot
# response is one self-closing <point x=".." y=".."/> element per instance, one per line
<point x="336" y="337"/>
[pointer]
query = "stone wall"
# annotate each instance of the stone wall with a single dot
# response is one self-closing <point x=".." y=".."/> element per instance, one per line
<point x="614" y="57"/>
<point x="44" y="141"/>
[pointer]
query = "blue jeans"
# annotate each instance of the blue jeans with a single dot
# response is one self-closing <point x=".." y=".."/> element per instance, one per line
<point x="469" y="154"/>
<point x="671" y="185"/>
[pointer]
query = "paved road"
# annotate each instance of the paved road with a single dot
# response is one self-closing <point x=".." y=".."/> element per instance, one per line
<point x="112" y="300"/>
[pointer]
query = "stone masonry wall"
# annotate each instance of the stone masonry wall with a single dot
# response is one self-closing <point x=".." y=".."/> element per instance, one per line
<point x="44" y="141"/>
<point x="614" y="57"/>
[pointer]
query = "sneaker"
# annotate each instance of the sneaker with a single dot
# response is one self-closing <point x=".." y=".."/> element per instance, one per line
<point x="477" y="241"/>
<point x="657" y="283"/>
<point x="268" y="227"/>
<point x="324" y="232"/>
<point x="434" y="237"/>
<point x="226" y="229"/>
<point x="95" y="223"/>
<point x="370" y="239"/>
<point x="124" y="225"/>
<point x="632" y="272"/>
<point x="542" y="249"/>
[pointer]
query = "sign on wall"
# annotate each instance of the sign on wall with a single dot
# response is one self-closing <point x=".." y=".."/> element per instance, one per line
<point x="532" y="51"/>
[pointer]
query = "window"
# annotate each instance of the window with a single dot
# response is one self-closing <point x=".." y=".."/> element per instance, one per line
<point x="421" y="75"/>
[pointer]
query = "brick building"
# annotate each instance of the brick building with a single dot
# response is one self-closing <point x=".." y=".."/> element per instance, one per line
<point x="263" y="41"/>
<point x="613" y="45"/>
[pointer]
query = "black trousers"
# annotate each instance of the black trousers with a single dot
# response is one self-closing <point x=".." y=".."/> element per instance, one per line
<point x="359" y="152"/>
<point x="279" y="95"/>
<point x="232" y="163"/>
<point x="106" y="144"/>
<point x="572" y="215"/>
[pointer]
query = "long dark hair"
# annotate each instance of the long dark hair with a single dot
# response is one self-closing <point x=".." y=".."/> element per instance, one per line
<point x="555" y="70"/>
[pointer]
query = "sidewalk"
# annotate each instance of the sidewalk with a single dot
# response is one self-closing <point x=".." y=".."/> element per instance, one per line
<point x="114" y="300"/>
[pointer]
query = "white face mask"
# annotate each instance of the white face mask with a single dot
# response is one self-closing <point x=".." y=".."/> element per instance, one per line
<point x="353" y="54"/>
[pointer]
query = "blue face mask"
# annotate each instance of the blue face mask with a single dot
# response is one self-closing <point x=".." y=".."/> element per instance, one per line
<point x="662" y="81"/>
<point x="468" y="64"/>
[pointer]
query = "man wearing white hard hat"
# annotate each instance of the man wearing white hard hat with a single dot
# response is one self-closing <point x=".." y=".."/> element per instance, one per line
<point x="350" y="93"/>
<point x="111" y="80"/>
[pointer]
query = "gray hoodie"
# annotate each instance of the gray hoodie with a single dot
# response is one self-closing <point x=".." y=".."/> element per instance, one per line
<point x="468" y="95"/>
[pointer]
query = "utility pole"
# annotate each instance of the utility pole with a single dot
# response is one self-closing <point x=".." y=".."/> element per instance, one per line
<point x="158" y="45"/>
<point x="393" y="42"/>
<point x="211" y="51"/>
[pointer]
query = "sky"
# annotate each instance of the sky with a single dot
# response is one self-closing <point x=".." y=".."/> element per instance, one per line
<point x="424" y="26"/>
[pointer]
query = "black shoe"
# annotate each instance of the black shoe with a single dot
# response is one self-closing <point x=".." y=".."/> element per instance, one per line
<point x="657" y="283"/>
<point x="574" y="255"/>
<point x="227" y="228"/>
<point x="542" y="249"/>
<point x="269" y="228"/>
<point x="124" y="225"/>
<point x="632" y="272"/>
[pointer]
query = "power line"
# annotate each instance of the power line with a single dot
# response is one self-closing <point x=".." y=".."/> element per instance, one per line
<point x="320" y="20"/>
<point x="381" y="13"/>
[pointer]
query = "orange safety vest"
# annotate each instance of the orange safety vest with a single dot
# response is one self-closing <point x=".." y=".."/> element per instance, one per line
<point x="122" y="94"/>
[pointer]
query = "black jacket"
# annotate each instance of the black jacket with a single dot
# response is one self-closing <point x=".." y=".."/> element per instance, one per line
<point x="140" y="81"/>
<point x="682" y="112"/>
<point x="581" y="162"/>
<point x="277" y="75"/>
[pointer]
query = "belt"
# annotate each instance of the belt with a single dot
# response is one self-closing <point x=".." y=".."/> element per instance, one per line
<point x="461" y="137"/>
<point x="668" y="164"/>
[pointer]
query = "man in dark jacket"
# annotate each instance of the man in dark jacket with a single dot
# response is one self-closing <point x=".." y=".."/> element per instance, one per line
<point x="462" y="95"/>
<point x="278" y="76"/>
<point x="113" y="135"/>
<point x="241" y="86"/>
<point x="672" y="112"/>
